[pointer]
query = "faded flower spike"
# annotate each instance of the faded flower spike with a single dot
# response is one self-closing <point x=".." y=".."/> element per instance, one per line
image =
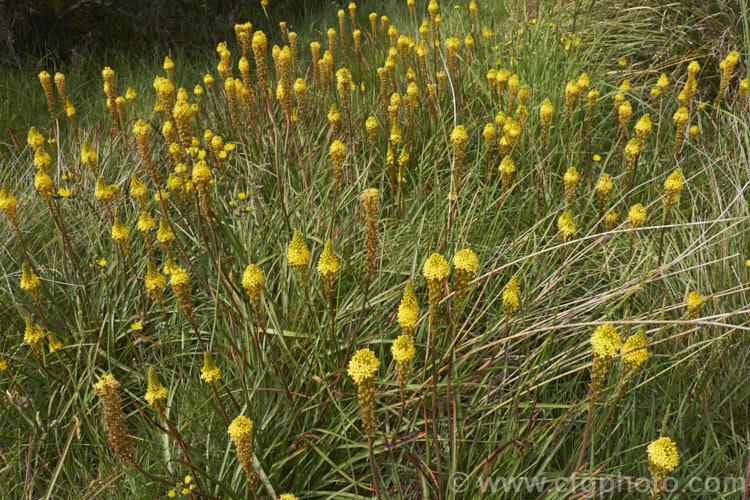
<point x="106" y="389"/>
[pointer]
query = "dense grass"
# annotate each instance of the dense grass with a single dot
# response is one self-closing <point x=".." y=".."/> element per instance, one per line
<point x="510" y="396"/>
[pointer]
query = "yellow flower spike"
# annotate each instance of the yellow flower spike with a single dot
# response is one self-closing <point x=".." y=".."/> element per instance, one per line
<point x="164" y="235"/>
<point x="466" y="264"/>
<point x="252" y="280"/>
<point x="507" y="168"/>
<point x="435" y="268"/>
<point x="663" y="458"/>
<point x="35" y="139"/>
<point x="680" y="119"/>
<point x="46" y="81"/>
<point x="370" y="199"/>
<point x="489" y="133"/>
<point x="297" y="253"/>
<point x="210" y="373"/>
<point x="603" y="188"/>
<point x="633" y="351"/>
<point x="511" y="298"/>
<point x="241" y="430"/>
<point x="33" y="335"/>
<point x="138" y="189"/>
<point x="333" y="116"/>
<point x="663" y="82"/>
<point x="610" y="220"/>
<point x="458" y="137"/>
<point x="362" y="369"/>
<point x="337" y="150"/>
<point x="42" y="160"/>
<point x="632" y="151"/>
<point x="180" y="282"/>
<point x="571" y="94"/>
<point x="60" y="84"/>
<point x="156" y="393"/>
<point x="673" y="185"/>
<point x="403" y="353"/>
<point x="288" y="496"/>
<point x="328" y="264"/>
<point x="408" y="310"/>
<point x="155" y="281"/>
<point x="29" y="281"/>
<point x="145" y="222"/>
<point x="570" y="180"/>
<point x="566" y="226"/>
<point x="623" y="114"/>
<point x="694" y="302"/>
<point x="120" y="233"/>
<point x="643" y="129"/>
<point x="9" y="205"/>
<point x="636" y="215"/>
<point x="605" y="343"/>
<point x="693" y="68"/>
<point x="545" y="116"/>
<point x="43" y="184"/>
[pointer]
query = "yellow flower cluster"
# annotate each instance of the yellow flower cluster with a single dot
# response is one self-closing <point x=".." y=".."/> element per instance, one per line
<point x="403" y="349"/>
<point x="156" y="392"/>
<point x="29" y="280"/>
<point x="605" y="341"/>
<point x="662" y="455"/>
<point x="633" y="351"/>
<point x="297" y="253"/>
<point x="252" y="280"/>
<point x="435" y="268"/>
<point x="240" y="428"/>
<point x="33" y="334"/>
<point x="328" y="264"/>
<point x="636" y="215"/>
<point x="408" y="310"/>
<point x="210" y="373"/>
<point x="511" y="300"/>
<point x="363" y="366"/>
<point x="673" y="185"/>
<point x="466" y="261"/>
<point x="566" y="225"/>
